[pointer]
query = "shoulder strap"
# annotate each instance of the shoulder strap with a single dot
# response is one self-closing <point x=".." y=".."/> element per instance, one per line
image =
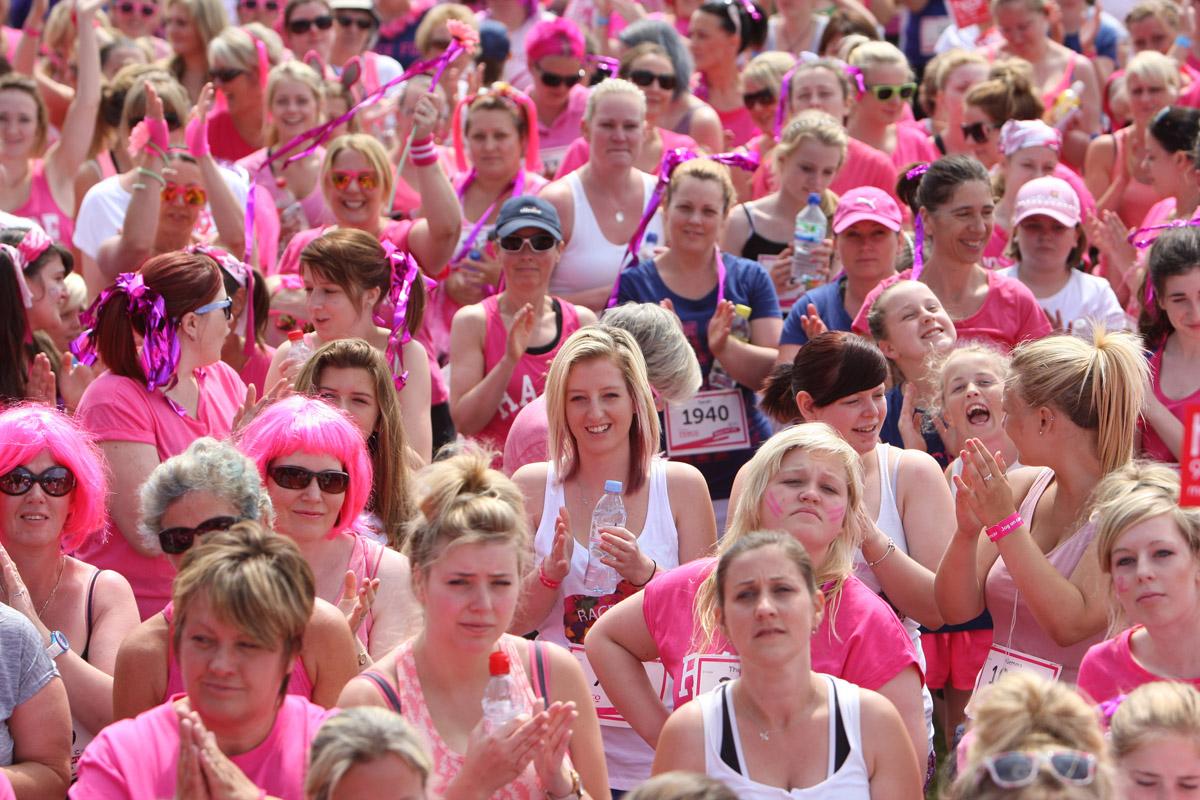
<point x="841" y="742"/>
<point x="90" y="606"/>
<point x="385" y="689"/>
<point x="540" y="669"/>
<point x="728" y="745"/>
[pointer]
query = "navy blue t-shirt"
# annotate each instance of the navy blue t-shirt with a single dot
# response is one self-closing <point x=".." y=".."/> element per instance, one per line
<point x="890" y="430"/>
<point x="830" y="302"/>
<point x="747" y="283"/>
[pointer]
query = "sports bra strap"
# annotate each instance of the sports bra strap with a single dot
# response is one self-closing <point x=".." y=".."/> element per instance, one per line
<point x="385" y="689"/>
<point x="540" y="669"/>
<point x="841" y="742"/>
<point x="728" y="744"/>
<point x="91" y="601"/>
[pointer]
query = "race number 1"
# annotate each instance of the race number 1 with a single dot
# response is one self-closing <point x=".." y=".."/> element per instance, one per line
<point x="1189" y="458"/>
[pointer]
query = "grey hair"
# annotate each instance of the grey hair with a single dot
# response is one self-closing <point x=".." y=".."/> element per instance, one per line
<point x="671" y="364"/>
<point x="663" y="34"/>
<point x="206" y="466"/>
<point x="357" y="736"/>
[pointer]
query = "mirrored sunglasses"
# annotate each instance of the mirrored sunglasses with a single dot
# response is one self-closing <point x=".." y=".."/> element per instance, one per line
<point x="56" y="481"/>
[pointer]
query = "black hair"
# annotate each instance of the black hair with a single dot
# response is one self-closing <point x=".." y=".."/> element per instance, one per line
<point x="935" y="187"/>
<point x="831" y="366"/>
<point x="1175" y="252"/>
<point x="1175" y="128"/>
<point x="735" y="17"/>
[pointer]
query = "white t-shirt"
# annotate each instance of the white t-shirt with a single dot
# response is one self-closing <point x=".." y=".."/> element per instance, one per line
<point x="13" y="221"/>
<point x="1083" y="300"/>
<point x="102" y="214"/>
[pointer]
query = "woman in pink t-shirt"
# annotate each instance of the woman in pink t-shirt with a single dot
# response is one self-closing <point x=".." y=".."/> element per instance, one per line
<point x="315" y="465"/>
<point x="719" y="32"/>
<point x="239" y="62"/>
<point x="805" y="481"/>
<point x="150" y="405"/>
<point x="1148" y="546"/>
<point x="242" y="603"/>
<point x="887" y="87"/>
<point x="211" y="487"/>
<point x="501" y="348"/>
<point x="1170" y="327"/>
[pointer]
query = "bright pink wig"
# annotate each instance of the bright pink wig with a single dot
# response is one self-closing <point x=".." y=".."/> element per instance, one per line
<point x="27" y="430"/>
<point x="300" y="424"/>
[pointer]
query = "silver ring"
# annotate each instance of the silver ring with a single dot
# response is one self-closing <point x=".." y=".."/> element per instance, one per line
<point x="987" y="477"/>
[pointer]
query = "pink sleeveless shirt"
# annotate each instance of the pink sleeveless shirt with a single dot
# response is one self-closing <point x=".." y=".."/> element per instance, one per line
<point x="365" y="557"/>
<point x="1008" y="611"/>
<point x="42" y="209"/>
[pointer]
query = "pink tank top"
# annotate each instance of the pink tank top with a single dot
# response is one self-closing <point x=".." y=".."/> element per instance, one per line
<point x="1010" y="614"/>
<point x="1138" y="198"/>
<point x="447" y="762"/>
<point x="298" y="684"/>
<point x="529" y="377"/>
<point x="42" y="209"/>
<point x="365" y="557"/>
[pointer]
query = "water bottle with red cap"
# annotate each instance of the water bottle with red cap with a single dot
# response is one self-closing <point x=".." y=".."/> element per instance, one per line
<point x="498" y="706"/>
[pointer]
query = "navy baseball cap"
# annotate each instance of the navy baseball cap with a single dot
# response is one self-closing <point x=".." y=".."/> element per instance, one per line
<point x="527" y="211"/>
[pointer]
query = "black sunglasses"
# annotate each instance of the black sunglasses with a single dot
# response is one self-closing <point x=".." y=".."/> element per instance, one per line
<point x="225" y="75"/>
<point x="977" y="131"/>
<point x="644" y="78"/>
<point x="763" y="97"/>
<point x="540" y="242"/>
<point x="147" y="10"/>
<point x="178" y="540"/>
<point x="299" y="27"/>
<point x="363" y="24"/>
<point x="55" y="481"/>
<point x="330" y="481"/>
<point x="553" y="80"/>
<point x="252" y="5"/>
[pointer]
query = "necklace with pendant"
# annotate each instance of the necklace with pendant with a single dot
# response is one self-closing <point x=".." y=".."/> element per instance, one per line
<point x="620" y="215"/>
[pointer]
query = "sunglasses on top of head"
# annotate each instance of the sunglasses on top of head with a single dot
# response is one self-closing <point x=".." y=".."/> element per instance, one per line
<point x="179" y="540"/>
<point x="883" y="91"/>
<point x="330" y="481"/>
<point x="645" y="78"/>
<point x="56" y="481"/>
<point x="299" y="27"/>
<point x="552" y="80"/>
<point x="1015" y="769"/>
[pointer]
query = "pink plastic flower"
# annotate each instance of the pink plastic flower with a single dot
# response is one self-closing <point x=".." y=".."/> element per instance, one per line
<point x="466" y="36"/>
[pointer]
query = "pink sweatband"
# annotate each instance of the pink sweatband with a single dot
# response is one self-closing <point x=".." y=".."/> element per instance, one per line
<point x="1005" y="526"/>
<point x="423" y="152"/>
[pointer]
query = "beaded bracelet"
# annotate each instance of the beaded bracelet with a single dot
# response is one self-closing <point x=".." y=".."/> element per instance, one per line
<point x="891" y="548"/>
<point x="1005" y="526"/>
<point x="546" y="580"/>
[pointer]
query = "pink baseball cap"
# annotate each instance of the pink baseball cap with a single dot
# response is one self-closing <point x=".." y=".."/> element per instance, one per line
<point x="866" y="203"/>
<point x="557" y="37"/>
<point x="1050" y="196"/>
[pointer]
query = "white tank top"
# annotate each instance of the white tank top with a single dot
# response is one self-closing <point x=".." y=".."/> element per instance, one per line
<point x="590" y="260"/>
<point x="888" y="520"/>
<point x="628" y="756"/>
<point x="849" y="782"/>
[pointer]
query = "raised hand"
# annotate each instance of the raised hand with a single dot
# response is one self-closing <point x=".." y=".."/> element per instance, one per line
<point x="811" y="322"/>
<point x="41" y="386"/>
<point x="557" y="563"/>
<point x="520" y="333"/>
<point x="357" y="599"/>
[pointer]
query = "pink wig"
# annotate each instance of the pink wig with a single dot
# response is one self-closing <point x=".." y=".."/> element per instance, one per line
<point x="300" y="424"/>
<point x="27" y="430"/>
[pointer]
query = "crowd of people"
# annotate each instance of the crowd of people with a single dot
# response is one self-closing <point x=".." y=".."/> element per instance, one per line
<point x="599" y="398"/>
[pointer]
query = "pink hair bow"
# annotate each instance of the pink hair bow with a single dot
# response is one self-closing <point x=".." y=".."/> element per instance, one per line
<point x="18" y="266"/>
<point x="399" y="295"/>
<point x="918" y="227"/>
<point x="33" y="244"/>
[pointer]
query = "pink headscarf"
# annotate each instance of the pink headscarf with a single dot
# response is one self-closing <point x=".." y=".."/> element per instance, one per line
<point x="1018" y="134"/>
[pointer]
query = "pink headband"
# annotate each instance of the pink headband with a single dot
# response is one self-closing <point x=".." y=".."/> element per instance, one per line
<point x="18" y="265"/>
<point x="1021" y="134"/>
<point x="523" y="103"/>
<point x="34" y="243"/>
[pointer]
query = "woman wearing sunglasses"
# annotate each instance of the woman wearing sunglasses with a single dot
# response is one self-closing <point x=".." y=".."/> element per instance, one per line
<point x="242" y="605"/>
<point x="720" y="30"/>
<point x="308" y="28"/>
<point x="649" y="67"/>
<point x="53" y="482"/>
<point x="190" y="25"/>
<point x="501" y="348"/>
<point x="39" y="177"/>
<point x="208" y="488"/>
<point x="315" y="465"/>
<point x="889" y="90"/>
<point x="264" y="12"/>
<point x="239" y="62"/>
<point x="155" y="398"/>
<point x="138" y="19"/>
<point x="1033" y="739"/>
<point x="555" y="52"/>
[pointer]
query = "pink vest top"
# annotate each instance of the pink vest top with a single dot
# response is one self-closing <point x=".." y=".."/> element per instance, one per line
<point x="1004" y="601"/>
<point x="42" y="209"/>
<point x="365" y="556"/>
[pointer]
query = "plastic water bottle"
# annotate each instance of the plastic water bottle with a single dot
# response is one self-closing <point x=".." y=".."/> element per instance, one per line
<point x="1066" y="105"/>
<point x="498" y="707"/>
<point x="806" y="236"/>
<point x="300" y="350"/>
<point x="718" y="378"/>
<point x="600" y="578"/>
<point x="649" y="245"/>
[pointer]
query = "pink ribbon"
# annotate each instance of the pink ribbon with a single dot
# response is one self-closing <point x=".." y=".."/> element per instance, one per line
<point x="398" y="295"/>
<point x="33" y="244"/>
<point x="1109" y="707"/>
<point x="607" y="64"/>
<point x="18" y="265"/>
<point x="517" y="186"/>
<point x="918" y="227"/>
<point x="1142" y="243"/>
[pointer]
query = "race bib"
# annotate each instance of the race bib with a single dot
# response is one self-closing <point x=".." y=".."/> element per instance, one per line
<point x="1189" y="459"/>
<point x="711" y="422"/>
<point x="605" y="710"/>
<point x="703" y="672"/>
<point x="1003" y="660"/>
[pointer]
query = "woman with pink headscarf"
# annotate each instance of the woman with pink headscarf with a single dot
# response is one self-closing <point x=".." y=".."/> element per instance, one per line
<point x="555" y="52"/>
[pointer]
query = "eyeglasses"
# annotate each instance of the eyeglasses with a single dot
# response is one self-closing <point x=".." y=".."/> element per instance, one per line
<point x="225" y="305"/>
<point x="1018" y="768"/>
<point x="331" y="481"/>
<point x="977" y="131"/>
<point x="179" y="540"/>
<point x="145" y="9"/>
<point x="299" y="27"/>
<point x="363" y="23"/>
<point x="55" y="481"/>
<point x="552" y="80"/>
<point x="225" y="75"/>
<point x="252" y="5"/>
<point x="764" y="97"/>
<point x="883" y="91"/>
<point x="539" y="243"/>
<point x="191" y="194"/>
<point x="367" y="179"/>
<point x="644" y="78"/>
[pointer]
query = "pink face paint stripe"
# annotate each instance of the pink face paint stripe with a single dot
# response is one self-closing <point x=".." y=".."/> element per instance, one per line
<point x="773" y="505"/>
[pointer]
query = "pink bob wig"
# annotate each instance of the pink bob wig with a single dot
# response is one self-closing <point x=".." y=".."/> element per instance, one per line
<point x="301" y="424"/>
<point x="27" y="430"/>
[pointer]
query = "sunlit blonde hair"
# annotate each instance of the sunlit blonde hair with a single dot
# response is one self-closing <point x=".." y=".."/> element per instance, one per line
<point x="767" y="69"/>
<point x="815" y="438"/>
<point x="704" y="169"/>
<point x="878" y="54"/>
<point x="611" y="87"/>
<point x="619" y="347"/>
<point x="811" y="125"/>
<point x="370" y="149"/>
<point x="1153" y="65"/>
<point x="301" y="73"/>
<point x="361" y="735"/>
<point x="1152" y="711"/>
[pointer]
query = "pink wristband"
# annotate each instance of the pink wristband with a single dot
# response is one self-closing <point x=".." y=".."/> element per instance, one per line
<point x="1005" y="526"/>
